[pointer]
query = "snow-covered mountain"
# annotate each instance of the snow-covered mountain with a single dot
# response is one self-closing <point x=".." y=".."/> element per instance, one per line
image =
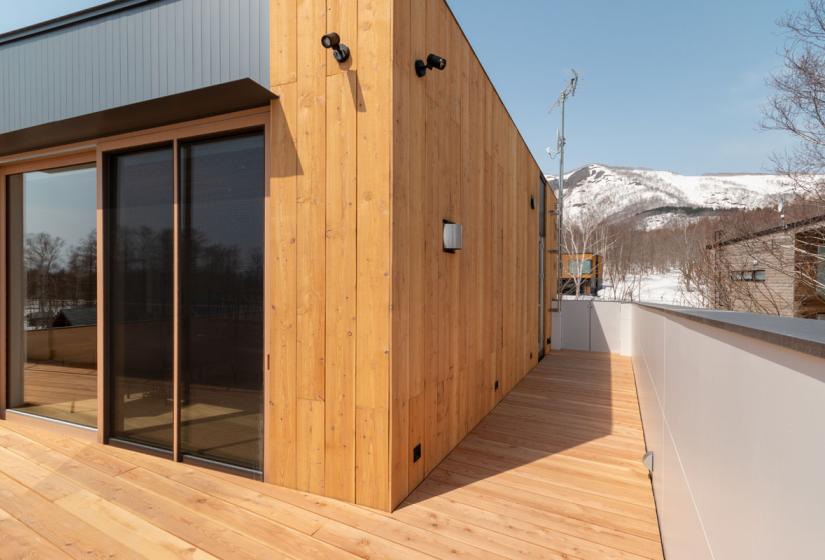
<point x="656" y="198"/>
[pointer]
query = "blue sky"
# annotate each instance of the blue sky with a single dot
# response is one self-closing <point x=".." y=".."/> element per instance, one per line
<point x="664" y="84"/>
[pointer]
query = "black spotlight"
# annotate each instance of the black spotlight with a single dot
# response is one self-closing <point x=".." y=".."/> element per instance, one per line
<point x="339" y="50"/>
<point x="433" y="61"/>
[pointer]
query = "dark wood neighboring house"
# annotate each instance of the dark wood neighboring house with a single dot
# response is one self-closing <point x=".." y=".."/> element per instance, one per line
<point x="582" y="269"/>
<point x="777" y="270"/>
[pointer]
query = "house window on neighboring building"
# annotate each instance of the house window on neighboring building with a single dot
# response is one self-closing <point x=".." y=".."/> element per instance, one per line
<point x="748" y="275"/>
<point x="577" y="267"/>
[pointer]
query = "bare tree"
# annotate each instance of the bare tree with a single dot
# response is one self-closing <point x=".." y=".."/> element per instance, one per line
<point x="588" y="234"/>
<point x="798" y="108"/>
<point x="42" y="254"/>
<point x="82" y="271"/>
<point x="798" y="103"/>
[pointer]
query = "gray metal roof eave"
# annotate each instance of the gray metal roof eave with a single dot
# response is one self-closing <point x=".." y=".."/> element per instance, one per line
<point x="70" y="19"/>
<point x="204" y="102"/>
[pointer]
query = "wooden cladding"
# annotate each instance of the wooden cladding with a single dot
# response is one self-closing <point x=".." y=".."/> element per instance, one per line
<point x="464" y="325"/>
<point x="329" y="391"/>
<point x="382" y="350"/>
<point x="381" y="341"/>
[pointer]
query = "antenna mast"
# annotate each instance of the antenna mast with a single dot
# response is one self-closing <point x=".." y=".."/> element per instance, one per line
<point x="561" y="141"/>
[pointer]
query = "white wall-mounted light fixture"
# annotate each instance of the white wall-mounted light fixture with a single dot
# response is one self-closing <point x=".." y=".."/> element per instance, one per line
<point x="452" y="236"/>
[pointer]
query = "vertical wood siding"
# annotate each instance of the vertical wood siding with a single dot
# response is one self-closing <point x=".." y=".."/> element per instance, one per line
<point x="330" y="196"/>
<point x="461" y="321"/>
<point x="378" y="339"/>
<point x="137" y="54"/>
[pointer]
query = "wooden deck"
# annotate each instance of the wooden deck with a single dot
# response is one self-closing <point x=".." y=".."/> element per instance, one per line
<point x="553" y="472"/>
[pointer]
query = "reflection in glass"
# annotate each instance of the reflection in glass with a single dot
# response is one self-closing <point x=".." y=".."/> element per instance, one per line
<point x="139" y="276"/>
<point x="221" y="319"/>
<point x="53" y="293"/>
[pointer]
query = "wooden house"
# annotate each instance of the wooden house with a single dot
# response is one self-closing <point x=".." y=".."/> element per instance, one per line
<point x="778" y="270"/>
<point x="316" y="252"/>
<point x="581" y="274"/>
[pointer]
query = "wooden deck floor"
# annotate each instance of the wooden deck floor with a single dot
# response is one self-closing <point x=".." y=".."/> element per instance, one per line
<point x="553" y="472"/>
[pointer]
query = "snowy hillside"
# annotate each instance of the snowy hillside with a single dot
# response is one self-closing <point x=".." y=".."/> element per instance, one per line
<point x="657" y="198"/>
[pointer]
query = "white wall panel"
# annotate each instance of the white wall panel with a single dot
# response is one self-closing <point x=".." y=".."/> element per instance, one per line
<point x="737" y="426"/>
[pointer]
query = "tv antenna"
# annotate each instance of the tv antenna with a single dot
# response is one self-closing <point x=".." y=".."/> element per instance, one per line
<point x="561" y="141"/>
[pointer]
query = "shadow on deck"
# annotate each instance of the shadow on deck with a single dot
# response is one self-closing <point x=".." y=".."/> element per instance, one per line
<point x="553" y="472"/>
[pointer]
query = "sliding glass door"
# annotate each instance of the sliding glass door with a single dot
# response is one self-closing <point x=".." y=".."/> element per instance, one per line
<point x="140" y="297"/>
<point x="218" y="246"/>
<point x="221" y="291"/>
<point x="52" y="301"/>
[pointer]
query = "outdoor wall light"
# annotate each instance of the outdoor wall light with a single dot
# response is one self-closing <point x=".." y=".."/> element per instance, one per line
<point x="433" y="61"/>
<point x="339" y="50"/>
<point x="452" y="237"/>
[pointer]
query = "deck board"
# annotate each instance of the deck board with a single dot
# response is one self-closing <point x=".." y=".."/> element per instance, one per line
<point x="553" y="472"/>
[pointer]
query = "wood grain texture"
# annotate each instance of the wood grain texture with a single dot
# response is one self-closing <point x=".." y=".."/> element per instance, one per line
<point x="331" y="286"/>
<point x="280" y="452"/>
<point x="467" y="321"/>
<point x="512" y="489"/>
<point x="377" y="340"/>
<point x="310" y="244"/>
<point x="374" y="138"/>
<point x="341" y="268"/>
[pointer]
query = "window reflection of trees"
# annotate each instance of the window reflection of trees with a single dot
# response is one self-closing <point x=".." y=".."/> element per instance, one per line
<point x="58" y="277"/>
<point x="223" y="312"/>
<point x="225" y="280"/>
<point x="144" y="254"/>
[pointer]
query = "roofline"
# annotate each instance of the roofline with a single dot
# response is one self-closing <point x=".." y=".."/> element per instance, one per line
<point x="493" y="85"/>
<point x="69" y="19"/>
<point x="769" y="231"/>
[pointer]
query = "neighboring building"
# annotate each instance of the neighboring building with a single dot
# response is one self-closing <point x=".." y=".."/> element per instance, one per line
<point x="273" y="291"/>
<point x="582" y="274"/>
<point x="779" y="270"/>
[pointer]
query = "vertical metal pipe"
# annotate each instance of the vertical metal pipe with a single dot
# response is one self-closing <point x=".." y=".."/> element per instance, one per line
<point x="560" y="213"/>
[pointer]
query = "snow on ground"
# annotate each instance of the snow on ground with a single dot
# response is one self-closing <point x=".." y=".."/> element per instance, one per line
<point x="664" y="288"/>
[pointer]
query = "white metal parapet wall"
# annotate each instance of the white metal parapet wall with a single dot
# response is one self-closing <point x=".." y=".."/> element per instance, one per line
<point x="735" y="417"/>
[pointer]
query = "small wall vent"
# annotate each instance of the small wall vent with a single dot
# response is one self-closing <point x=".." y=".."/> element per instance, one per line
<point x="416" y="453"/>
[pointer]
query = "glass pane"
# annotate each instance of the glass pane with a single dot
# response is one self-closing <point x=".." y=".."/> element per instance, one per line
<point x="577" y="267"/>
<point x="53" y="293"/>
<point x="820" y="270"/>
<point x="759" y="275"/>
<point x="139" y="301"/>
<point x="221" y="319"/>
